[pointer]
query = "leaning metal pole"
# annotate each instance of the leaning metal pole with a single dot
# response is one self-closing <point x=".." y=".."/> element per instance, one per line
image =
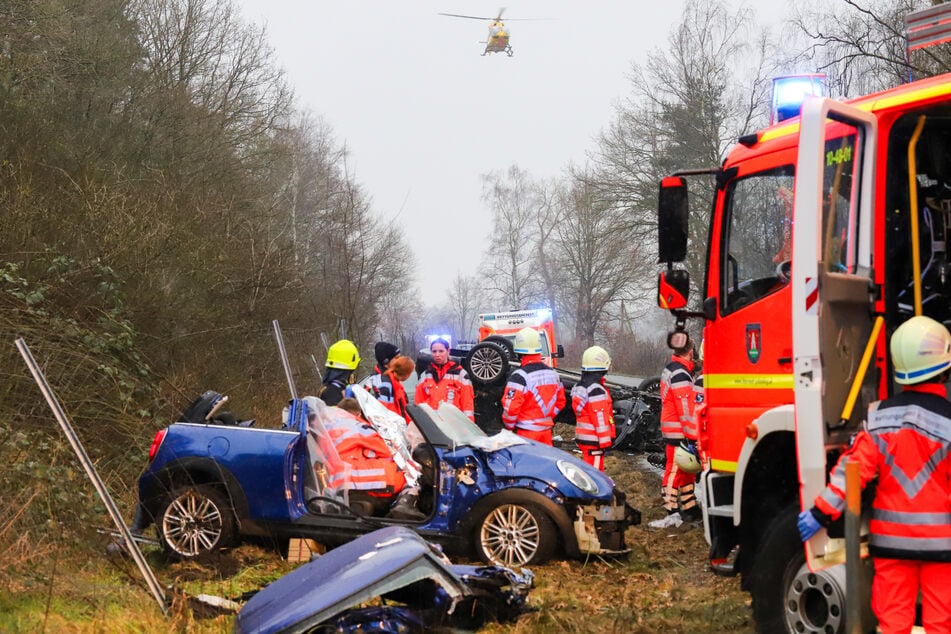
<point x="287" y="365"/>
<point x="73" y="439"/>
<point x="854" y="591"/>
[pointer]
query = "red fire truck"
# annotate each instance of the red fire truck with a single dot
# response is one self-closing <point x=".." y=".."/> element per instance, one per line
<point x="827" y="232"/>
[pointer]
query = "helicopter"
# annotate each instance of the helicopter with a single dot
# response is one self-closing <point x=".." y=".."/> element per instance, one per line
<point x="498" y="41"/>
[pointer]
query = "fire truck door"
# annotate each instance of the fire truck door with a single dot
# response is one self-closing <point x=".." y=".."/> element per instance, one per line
<point x="831" y="286"/>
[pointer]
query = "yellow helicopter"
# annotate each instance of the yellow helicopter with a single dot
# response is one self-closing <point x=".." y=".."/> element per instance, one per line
<point x="498" y="41"/>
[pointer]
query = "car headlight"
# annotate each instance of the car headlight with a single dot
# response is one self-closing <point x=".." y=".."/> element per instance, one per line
<point x="578" y="477"/>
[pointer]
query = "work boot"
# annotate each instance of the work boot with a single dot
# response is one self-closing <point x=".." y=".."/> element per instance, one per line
<point x="673" y="520"/>
<point x="693" y="514"/>
<point x="405" y="509"/>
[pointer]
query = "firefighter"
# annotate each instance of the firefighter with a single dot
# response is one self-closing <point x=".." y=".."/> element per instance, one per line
<point x="391" y="369"/>
<point x="342" y="359"/>
<point x="534" y="393"/>
<point x="444" y="380"/>
<point x="906" y="442"/>
<point x="594" y="413"/>
<point x="677" y="427"/>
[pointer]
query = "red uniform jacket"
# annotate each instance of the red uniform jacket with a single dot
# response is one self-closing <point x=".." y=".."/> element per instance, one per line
<point x="677" y="401"/>
<point x="594" y="413"/>
<point x="906" y="443"/>
<point x="446" y="384"/>
<point x="533" y="396"/>
<point x="389" y="391"/>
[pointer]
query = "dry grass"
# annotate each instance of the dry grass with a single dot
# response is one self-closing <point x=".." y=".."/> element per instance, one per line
<point x="664" y="586"/>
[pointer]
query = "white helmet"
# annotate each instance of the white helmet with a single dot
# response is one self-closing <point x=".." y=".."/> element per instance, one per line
<point x="687" y="461"/>
<point x="595" y="359"/>
<point x="921" y="349"/>
<point x="527" y="341"/>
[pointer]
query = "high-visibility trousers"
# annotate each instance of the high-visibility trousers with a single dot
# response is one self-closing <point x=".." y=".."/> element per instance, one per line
<point x="597" y="460"/>
<point x="895" y="592"/>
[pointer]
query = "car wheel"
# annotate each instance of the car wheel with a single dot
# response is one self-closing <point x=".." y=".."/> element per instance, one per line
<point x="507" y="345"/>
<point x="650" y="384"/>
<point x="515" y="535"/>
<point x="196" y="520"/>
<point x="786" y="596"/>
<point x="487" y="363"/>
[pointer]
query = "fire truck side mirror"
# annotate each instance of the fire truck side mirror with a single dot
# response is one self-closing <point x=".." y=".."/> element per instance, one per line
<point x="673" y="289"/>
<point x="672" y="215"/>
<point x="560" y="352"/>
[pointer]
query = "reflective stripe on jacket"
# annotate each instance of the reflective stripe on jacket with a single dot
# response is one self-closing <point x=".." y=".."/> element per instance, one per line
<point x="446" y="384"/>
<point x="677" y="400"/>
<point x="372" y="467"/>
<point x="593" y="412"/>
<point x="906" y="443"/>
<point x="533" y="396"/>
<point x="389" y="391"/>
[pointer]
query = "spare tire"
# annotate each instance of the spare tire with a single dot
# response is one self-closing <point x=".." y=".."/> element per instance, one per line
<point x="487" y="364"/>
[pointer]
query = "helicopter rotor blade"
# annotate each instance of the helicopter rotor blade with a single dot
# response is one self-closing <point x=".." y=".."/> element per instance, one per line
<point x="470" y="17"/>
<point x="499" y="16"/>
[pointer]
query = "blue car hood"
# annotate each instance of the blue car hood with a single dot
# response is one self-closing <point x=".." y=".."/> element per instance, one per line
<point x="371" y="565"/>
<point x="538" y="461"/>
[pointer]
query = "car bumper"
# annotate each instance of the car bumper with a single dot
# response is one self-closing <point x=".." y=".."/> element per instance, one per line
<point x="599" y="529"/>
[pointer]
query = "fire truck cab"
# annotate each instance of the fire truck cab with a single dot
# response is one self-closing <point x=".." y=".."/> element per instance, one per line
<point x="827" y="232"/>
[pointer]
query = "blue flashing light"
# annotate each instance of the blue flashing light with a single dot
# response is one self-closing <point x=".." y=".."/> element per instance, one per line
<point x="790" y="91"/>
<point x="431" y="338"/>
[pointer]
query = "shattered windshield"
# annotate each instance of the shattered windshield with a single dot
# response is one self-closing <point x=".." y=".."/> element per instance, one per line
<point x="462" y="431"/>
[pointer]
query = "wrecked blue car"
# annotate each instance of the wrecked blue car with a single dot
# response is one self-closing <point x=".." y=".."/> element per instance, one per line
<point x="501" y="498"/>
<point x="419" y="590"/>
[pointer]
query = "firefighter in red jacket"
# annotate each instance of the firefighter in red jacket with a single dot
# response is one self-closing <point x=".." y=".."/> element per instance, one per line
<point x="906" y="442"/>
<point x="534" y="393"/>
<point x="677" y="427"/>
<point x="445" y="381"/>
<point x="391" y="369"/>
<point x="594" y="413"/>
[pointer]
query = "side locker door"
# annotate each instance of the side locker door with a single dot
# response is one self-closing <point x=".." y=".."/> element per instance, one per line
<point x="832" y="284"/>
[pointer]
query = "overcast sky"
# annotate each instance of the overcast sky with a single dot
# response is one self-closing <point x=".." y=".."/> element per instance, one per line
<point x="424" y="115"/>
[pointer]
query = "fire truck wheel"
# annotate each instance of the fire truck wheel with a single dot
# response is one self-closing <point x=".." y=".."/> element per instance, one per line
<point x="195" y="520"/>
<point x="786" y="596"/>
<point x="487" y="364"/>
<point x="515" y="535"/>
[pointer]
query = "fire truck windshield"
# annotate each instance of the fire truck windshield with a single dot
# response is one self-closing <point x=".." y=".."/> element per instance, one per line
<point x="757" y="237"/>
<point x="546" y="349"/>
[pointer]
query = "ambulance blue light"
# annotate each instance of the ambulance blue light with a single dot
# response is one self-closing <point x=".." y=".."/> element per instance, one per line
<point x="790" y="91"/>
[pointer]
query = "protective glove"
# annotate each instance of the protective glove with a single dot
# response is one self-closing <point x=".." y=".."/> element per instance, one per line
<point x="808" y="525"/>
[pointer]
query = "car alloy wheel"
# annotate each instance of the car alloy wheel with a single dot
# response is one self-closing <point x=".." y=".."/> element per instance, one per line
<point x="514" y="535"/>
<point x="196" y="520"/>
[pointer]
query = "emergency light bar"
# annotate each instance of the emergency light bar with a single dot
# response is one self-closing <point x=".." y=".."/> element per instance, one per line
<point x="790" y="91"/>
<point x="431" y="338"/>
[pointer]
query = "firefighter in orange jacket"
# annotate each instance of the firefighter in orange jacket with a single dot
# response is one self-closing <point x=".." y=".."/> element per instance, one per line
<point x="444" y="380"/>
<point x="906" y="442"/>
<point x="677" y="427"/>
<point x="391" y="369"/>
<point x="534" y="393"/>
<point x="594" y="413"/>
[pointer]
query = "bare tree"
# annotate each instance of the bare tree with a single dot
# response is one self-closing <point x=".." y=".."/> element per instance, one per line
<point x="465" y="301"/>
<point x="510" y="268"/>
<point x="861" y="46"/>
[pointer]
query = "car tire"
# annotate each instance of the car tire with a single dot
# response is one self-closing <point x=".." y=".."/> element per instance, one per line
<point x="487" y="364"/>
<point x="650" y="384"/>
<point x="195" y="520"/>
<point x="507" y="345"/>
<point x="515" y="534"/>
<point x="785" y="595"/>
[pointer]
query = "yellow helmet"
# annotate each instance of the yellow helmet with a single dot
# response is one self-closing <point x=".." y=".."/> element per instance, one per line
<point x="343" y="355"/>
<point x="527" y="341"/>
<point x="921" y="349"/>
<point x="687" y="461"/>
<point x="595" y="359"/>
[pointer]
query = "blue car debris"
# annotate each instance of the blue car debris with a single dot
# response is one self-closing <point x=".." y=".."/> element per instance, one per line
<point x="211" y="480"/>
<point x="418" y="587"/>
